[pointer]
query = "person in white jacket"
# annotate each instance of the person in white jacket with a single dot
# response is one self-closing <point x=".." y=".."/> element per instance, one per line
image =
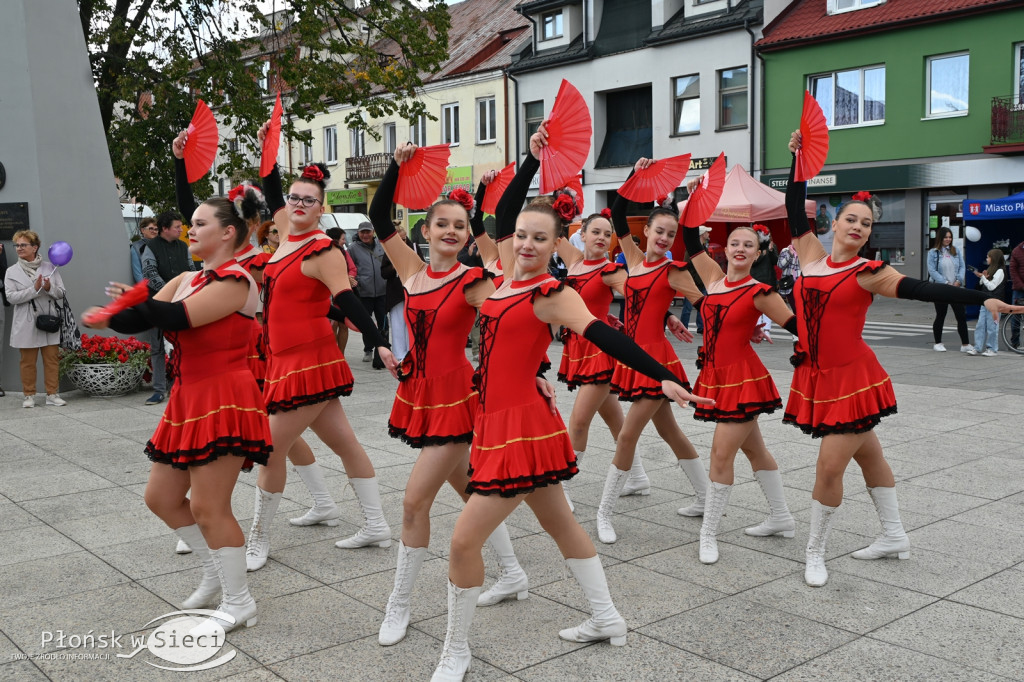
<point x="986" y="333"/>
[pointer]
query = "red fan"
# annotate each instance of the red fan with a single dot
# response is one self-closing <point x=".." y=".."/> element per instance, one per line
<point x="569" y="131"/>
<point x="272" y="141"/>
<point x="657" y="180"/>
<point x="814" y="145"/>
<point x="421" y="178"/>
<point x="201" y="145"/>
<point x="134" y="296"/>
<point x="705" y="195"/>
<point x="497" y="187"/>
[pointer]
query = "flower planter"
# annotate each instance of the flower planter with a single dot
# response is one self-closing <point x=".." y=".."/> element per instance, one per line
<point x="106" y="379"/>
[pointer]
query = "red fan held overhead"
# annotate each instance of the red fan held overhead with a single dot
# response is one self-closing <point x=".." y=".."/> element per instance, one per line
<point x="272" y="141"/>
<point x="497" y="187"/>
<point x="421" y="178"/>
<point x="134" y="296"/>
<point x="569" y="132"/>
<point x="657" y="180"/>
<point x="705" y="195"/>
<point x="810" y="158"/>
<point x="201" y="143"/>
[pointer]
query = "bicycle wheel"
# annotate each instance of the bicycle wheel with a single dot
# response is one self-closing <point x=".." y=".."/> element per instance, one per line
<point x="1012" y="325"/>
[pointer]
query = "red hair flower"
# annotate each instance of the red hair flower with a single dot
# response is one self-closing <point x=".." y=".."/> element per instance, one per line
<point x="862" y="196"/>
<point x="565" y="207"/>
<point x="763" y="229"/>
<point x="313" y="173"/>
<point x="465" y="198"/>
<point x="236" y="193"/>
<point x="606" y="213"/>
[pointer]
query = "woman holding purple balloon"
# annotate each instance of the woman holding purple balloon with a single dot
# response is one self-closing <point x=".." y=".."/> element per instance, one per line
<point x="34" y="288"/>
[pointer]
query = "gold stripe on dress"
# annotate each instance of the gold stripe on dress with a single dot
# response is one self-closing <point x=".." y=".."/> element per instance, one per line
<point x="305" y="369"/>
<point x="740" y="383"/>
<point x="842" y="397"/>
<point x="258" y="410"/>
<point x="585" y="357"/>
<point x="517" y="440"/>
<point x="672" y="362"/>
<point x="436" y="407"/>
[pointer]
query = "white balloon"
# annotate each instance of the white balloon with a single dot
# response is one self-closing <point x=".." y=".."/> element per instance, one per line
<point x="972" y="233"/>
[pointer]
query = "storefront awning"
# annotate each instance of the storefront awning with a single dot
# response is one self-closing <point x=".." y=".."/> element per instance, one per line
<point x="1011" y="207"/>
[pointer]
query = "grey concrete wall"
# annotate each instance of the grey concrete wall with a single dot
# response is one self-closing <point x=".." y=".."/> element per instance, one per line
<point x="55" y="153"/>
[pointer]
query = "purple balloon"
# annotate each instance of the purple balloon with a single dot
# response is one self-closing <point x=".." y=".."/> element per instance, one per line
<point x="60" y="253"/>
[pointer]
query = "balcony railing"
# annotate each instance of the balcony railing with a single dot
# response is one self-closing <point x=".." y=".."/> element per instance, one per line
<point x="1008" y="120"/>
<point x="368" y="167"/>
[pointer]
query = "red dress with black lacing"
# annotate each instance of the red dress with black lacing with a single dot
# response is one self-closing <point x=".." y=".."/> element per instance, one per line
<point x="838" y="384"/>
<point x="305" y="366"/>
<point x="215" y="407"/>
<point x="254" y="258"/>
<point x="582" y="361"/>
<point x="730" y="371"/>
<point x="436" y="402"/>
<point x="518" y="444"/>
<point x="648" y="296"/>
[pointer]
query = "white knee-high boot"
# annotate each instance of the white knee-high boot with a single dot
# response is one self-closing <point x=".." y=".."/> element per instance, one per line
<point x="694" y="470"/>
<point x="714" y="507"/>
<point x="565" y="484"/>
<point x="893" y="541"/>
<point x="209" y="587"/>
<point x="612" y="487"/>
<point x="375" y="530"/>
<point x="456" y="657"/>
<point x="324" y="509"/>
<point x="512" y="581"/>
<point x="779" y="521"/>
<point x="396" y="613"/>
<point x="815" y="573"/>
<point x="605" y="621"/>
<point x="638" y="483"/>
<point x="258" y="545"/>
<point x="236" y="601"/>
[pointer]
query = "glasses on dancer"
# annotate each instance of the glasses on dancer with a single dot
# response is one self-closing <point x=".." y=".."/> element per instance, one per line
<point x="298" y="199"/>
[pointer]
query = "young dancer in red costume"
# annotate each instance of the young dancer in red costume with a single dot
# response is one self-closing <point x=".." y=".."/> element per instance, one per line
<point x="840" y="391"/>
<point x="733" y="374"/>
<point x="652" y="284"/>
<point x="215" y="424"/>
<point x="520" y="447"/>
<point x="436" y="402"/>
<point x="307" y="373"/>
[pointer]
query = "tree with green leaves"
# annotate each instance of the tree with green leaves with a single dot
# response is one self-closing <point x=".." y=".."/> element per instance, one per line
<point x="153" y="59"/>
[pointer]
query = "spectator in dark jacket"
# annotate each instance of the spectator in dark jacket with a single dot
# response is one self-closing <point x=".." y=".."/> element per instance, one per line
<point x="1017" y="283"/>
<point x="368" y="255"/>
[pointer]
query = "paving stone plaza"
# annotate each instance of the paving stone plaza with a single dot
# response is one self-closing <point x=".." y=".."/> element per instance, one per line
<point x="81" y="553"/>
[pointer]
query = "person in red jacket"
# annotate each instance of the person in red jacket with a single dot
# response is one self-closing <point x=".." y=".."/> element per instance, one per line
<point x="1017" y="282"/>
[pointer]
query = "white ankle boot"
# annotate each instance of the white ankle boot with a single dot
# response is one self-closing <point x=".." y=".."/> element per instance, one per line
<point x="717" y="498"/>
<point x="396" y="613"/>
<point x="456" y="658"/>
<point x="257" y="548"/>
<point x="512" y="582"/>
<point x="324" y="509"/>
<point x="893" y="541"/>
<point x="209" y="587"/>
<point x="236" y="602"/>
<point x="637" y="483"/>
<point x="605" y="621"/>
<point x="815" y="573"/>
<point x="375" y="530"/>
<point x="694" y="470"/>
<point x="612" y="487"/>
<point x="779" y="521"/>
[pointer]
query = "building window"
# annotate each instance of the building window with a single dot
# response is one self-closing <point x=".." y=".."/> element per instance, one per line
<point x="357" y="143"/>
<point x="331" y="144"/>
<point x="551" y="25"/>
<point x="686" y="105"/>
<point x="233" y="145"/>
<point x="732" y="98"/>
<point x="306" y="153"/>
<point x="947" y="85"/>
<point x="390" y="138"/>
<point x="1018" y="71"/>
<point x="533" y="116"/>
<point x="851" y="98"/>
<point x="265" y="76"/>
<point x="450" y="124"/>
<point x="839" y="6"/>
<point x="486" y="122"/>
<point x="629" y="133"/>
<point x="418" y="131"/>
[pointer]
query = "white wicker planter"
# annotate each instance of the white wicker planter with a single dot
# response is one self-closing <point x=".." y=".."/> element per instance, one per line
<point x="106" y="380"/>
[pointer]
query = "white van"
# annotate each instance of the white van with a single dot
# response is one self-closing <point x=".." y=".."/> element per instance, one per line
<point x="346" y="221"/>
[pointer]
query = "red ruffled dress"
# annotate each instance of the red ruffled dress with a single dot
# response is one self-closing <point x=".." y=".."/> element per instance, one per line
<point x="518" y="444"/>
<point x="730" y="371"/>
<point x="305" y="366"/>
<point x="838" y="384"/>
<point x="254" y="258"/>
<point x="436" y="402"/>
<point x="648" y="297"/>
<point x="582" y="361"/>
<point x="215" y="407"/>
